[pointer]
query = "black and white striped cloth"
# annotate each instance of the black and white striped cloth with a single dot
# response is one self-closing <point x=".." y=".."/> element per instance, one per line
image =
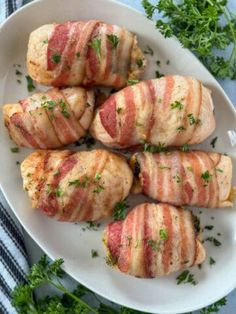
<point x="11" y="6"/>
<point x="13" y="256"/>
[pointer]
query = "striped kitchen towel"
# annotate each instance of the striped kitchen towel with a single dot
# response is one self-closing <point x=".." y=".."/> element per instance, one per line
<point x="11" y="6"/>
<point x="13" y="256"/>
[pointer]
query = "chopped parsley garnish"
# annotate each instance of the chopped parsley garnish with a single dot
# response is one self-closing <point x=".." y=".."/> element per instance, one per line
<point x="158" y="62"/>
<point x="110" y="261"/>
<point x="118" y="110"/>
<point x="214" y="308"/>
<point x="180" y="129"/>
<point x="158" y="74"/>
<point x="17" y="162"/>
<point x="80" y="183"/>
<point x="213" y="141"/>
<point x="155" y="245"/>
<point x="209" y="227"/>
<point x="186" y="277"/>
<point x="177" y="105"/>
<point x="15" y="149"/>
<point x="213" y="240"/>
<point x="92" y="225"/>
<point x="185" y="148"/>
<point x="163" y="234"/>
<point x="30" y="83"/>
<point x="94" y="253"/>
<point x="95" y="44"/>
<point x="178" y="178"/>
<point x="98" y="176"/>
<point x="154" y="148"/>
<point x="212" y="261"/>
<point x="98" y="189"/>
<point x="138" y="124"/>
<point x="18" y="81"/>
<point x="192" y="119"/>
<point x="63" y="107"/>
<point x="196" y="223"/>
<point x="149" y="51"/>
<point x="59" y="192"/>
<point x="219" y="170"/>
<point x="164" y="167"/>
<point x="56" y="58"/>
<point x="206" y="176"/>
<point x="18" y="72"/>
<point x="120" y="210"/>
<point x="77" y="54"/>
<point x="50" y="104"/>
<point x="189" y="168"/>
<point x="114" y="40"/>
<point x="45" y="41"/>
<point x="139" y="62"/>
<point x="132" y="82"/>
<point x="87" y="140"/>
<point x="48" y="189"/>
<point x="167" y="62"/>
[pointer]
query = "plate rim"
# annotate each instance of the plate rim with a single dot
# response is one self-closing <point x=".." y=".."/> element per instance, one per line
<point x="51" y="255"/>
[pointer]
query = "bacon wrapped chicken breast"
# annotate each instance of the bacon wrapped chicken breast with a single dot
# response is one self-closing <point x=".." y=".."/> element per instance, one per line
<point x="173" y="110"/>
<point x="84" y="53"/>
<point x="51" y="119"/>
<point x="194" y="178"/>
<point x="154" y="240"/>
<point x="76" y="186"/>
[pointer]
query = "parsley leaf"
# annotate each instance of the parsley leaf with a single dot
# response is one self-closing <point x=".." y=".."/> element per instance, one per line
<point x="56" y="58"/>
<point x="30" y="83"/>
<point x="213" y="141"/>
<point x="176" y="105"/>
<point x="96" y="45"/>
<point x="120" y="210"/>
<point x="209" y="26"/>
<point x="186" y="277"/>
<point x="114" y="40"/>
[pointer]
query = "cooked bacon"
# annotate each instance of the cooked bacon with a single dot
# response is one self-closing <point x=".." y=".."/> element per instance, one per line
<point x="51" y="119"/>
<point x="82" y="53"/>
<point x="194" y="178"/>
<point x="154" y="240"/>
<point x="76" y="186"/>
<point x="173" y="110"/>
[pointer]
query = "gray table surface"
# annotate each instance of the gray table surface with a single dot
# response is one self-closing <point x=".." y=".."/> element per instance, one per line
<point x="35" y="252"/>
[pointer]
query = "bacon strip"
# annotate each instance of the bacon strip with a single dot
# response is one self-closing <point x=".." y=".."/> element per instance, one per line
<point x="179" y="178"/>
<point x="162" y="243"/>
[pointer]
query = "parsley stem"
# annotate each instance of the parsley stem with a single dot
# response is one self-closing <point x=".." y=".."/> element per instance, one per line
<point x="60" y="287"/>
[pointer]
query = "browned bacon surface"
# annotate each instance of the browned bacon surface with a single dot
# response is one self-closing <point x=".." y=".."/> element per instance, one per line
<point x="173" y="110"/>
<point x="154" y="240"/>
<point x="194" y="178"/>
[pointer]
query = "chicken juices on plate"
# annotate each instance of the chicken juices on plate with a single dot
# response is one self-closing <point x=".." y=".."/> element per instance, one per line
<point x="76" y="186"/>
<point x="51" y="119"/>
<point x="154" y="240"/>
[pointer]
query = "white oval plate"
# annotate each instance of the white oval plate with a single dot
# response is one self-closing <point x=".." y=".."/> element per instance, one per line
<point x="69" y="241"/>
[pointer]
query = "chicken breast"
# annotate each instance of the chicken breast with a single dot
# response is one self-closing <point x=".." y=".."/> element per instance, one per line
<point x="76" y="186"/>
<point x="173" y="110"/>
<point x="84" y="53"/>
<point x="194" y="178"/>
<point x="51" y="119"/>
<point x="154" y="240"/>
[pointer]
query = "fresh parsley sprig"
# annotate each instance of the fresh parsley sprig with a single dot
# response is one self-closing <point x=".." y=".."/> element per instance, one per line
<point x="45" y="272"/>
<point x="198" y="26"/>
